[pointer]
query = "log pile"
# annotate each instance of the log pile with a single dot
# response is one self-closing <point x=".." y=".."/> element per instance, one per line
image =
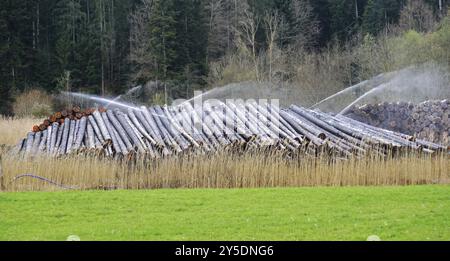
<point x="428" y="120"/>
<point x="160" y="131"/>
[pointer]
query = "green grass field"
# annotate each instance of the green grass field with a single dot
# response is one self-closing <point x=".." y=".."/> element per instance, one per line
<point x="351" y="213"/>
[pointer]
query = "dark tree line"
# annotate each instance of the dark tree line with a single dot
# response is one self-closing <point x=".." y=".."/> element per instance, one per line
<point x="106" y="46"/>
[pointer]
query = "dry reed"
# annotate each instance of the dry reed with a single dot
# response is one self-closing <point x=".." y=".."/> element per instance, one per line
<point x="224" y="170"/>
<point x="14" y="129"/>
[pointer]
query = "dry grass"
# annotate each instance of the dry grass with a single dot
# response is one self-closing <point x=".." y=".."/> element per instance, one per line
<point x="14" y="129"/>
<point x="220" y="170"/>
<point x="224" y="170"/>
<point x="33" y="103"/>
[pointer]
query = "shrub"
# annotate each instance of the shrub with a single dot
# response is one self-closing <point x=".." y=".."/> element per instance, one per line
<point x="41" y="110"/>
<point x="33" y="103"/>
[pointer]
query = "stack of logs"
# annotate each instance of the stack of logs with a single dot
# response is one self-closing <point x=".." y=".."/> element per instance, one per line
<point x="160" y="131"/>
<point x="74" y="113"/>
<point x="428" y="120"/>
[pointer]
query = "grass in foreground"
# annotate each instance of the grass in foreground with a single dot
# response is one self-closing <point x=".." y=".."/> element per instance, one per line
<point x="349" y="213"/>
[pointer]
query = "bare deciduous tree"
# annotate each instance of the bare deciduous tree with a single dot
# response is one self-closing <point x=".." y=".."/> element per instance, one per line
<point x="305" y="27"/>
<point x="417" y="15"/>
<point x="273" y="22"/>
<point x="248" y="27"/>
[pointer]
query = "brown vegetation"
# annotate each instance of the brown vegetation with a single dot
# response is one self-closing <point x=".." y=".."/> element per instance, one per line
<point x="33" y="103"/>
<point x="217" y="170"/>
<point x="224" y="170"/>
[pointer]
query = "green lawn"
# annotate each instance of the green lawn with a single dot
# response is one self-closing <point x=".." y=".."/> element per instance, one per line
<point x="353" y="213"/>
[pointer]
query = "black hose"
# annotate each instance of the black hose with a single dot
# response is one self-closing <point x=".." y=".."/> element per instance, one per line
<point x="41" y="178"/>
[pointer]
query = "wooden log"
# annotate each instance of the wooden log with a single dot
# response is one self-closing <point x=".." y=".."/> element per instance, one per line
<point x="65" y="137"/>
<point x="20" y="146"/>
<point x="173" y="132"/>
<point x="224" y="134"/>
<point x="120" y="130"/>
<point x="241" y="116"/>
<point x="96" y="129"/>
<point x="251" y="116"/>
<point x="208" y="120"/>
<point x="199" y="127"/>
<point x="136" y="132"/>
<point x="139" y="114"/>
<point x="49" y="137"/>
<point x="59" y="138"/>
<point x="232" y="120"/>
<point x="298" y="127"/>
<point x="71" y="138"/>
<point x="153" y="130"/>
<point x="80" y="134"/>
<point x="140" y="127"/>
<point x="190" y="127"/>
<point x="115" y="142"/>
<point x="29" y="142"/>
<point x="353" y="142"/>
<point x="43" y="142"/>
<point x="101" y="125"/>
<point x="311" y="127"/>
<point x="54" y="137"/>
<point x="122" y="146"/>
<point x="90" y="136"/>
<point x="256" y="109"/>
<point x="368" y="134"/>
<point x="167" y="138"/>
<point x="129" y="131"/>
<point x="274" y="117"/>
<point x="179" y="129"/>
<point x="36" y="142"/>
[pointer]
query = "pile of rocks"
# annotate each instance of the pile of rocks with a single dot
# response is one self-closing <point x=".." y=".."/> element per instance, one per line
<point x="428" y="120"/>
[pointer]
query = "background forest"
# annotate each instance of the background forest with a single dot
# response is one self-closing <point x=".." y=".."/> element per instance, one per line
<point x="105" y="47"/>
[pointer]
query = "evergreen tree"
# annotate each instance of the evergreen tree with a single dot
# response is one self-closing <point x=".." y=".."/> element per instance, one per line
<point x="373" y="17"/>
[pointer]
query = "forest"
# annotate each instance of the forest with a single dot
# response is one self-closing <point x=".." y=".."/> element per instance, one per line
<point x="105" y="47"/>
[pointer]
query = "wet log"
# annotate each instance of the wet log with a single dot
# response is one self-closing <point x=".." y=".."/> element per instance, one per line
<point x="115" y="140"/>
<point x="179" y="129"/>
<point x="65" y="137"/>
<point x="299" y="128"/>
<point x="54" y="137"/>
<point x="154" y="129"/>
<point x="36" y="142"/>
<point x="43" y="142"/>
<point x="80" y="134"/>
<point x="199" y="127"/>
<point x="72" y="130"/>
<point x="96" y="129"/>
<point x="59" y="138"/>
<point x="121" y="117"/>
<point x="29" y="142"/>
<point x="136" y="132"/>
<point x="90" y="136"/>
<point x="120" y="130"/>
<point x="101" y="125"/>
<point x="140" y="127"/>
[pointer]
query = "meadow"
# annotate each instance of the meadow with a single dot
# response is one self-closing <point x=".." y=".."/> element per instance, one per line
<point x="322" y="213"/>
